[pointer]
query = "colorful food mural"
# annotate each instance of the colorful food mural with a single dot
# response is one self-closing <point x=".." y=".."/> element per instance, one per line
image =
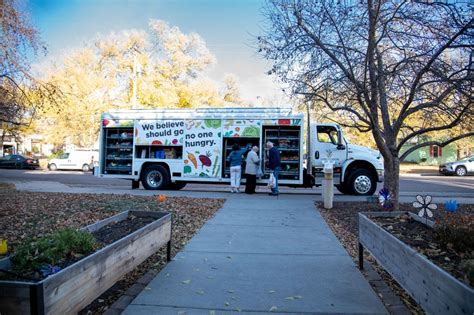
<point x="242" y="128"/>
<point x="201" y="151"/>
<point x="159" y="132"/>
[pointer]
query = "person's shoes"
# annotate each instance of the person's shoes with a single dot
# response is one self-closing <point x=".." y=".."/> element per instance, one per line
<point x="232" y="190"/>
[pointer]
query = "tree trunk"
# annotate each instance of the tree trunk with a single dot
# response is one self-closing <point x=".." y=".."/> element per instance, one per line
<point x="392" y="177"/>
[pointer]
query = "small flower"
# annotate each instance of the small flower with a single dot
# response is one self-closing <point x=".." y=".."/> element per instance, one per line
<point x="425" y="206"/>
<point x="451" y="206"/>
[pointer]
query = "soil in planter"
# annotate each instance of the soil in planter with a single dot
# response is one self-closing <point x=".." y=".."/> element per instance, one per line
<point x="104" y="236"/>
<point x="117" y="230"/>
<point x="423" y="239"/>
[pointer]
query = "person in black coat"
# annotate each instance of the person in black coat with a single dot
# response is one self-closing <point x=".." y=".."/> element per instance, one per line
<point x="274" y="165"/>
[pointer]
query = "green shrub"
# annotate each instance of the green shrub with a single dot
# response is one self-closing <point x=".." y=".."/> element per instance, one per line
<point x="52" y="250"/>
<point x="456" y="230"/>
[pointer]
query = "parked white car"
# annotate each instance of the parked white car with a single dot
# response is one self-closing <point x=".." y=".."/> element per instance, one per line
<point x="75" y="160"/>
<point x="460" y="168"/>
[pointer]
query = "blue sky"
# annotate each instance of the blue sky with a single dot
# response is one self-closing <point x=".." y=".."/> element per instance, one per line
<point x="229" y="28"/>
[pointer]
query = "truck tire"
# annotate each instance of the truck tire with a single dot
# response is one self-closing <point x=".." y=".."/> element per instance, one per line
<point x="155" y="177"/>
<point x="86" y="168"/>
<point x="52" y="167"/>
<point x="342" y="188"/>
<point x="361" y="183"/>
<point x="178" y="185"/>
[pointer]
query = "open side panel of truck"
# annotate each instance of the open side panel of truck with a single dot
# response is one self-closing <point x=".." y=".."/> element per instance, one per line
<point x="287" y="139"/>
<point x="118" y="151"/>
<point x="227" y="145"/>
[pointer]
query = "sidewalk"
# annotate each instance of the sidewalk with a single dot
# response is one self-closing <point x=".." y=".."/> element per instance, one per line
<point x="223" y="192"/>
<point x="260" y="254"/>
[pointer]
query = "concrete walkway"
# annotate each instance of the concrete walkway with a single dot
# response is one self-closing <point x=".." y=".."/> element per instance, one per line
<point x="260" y="254"/>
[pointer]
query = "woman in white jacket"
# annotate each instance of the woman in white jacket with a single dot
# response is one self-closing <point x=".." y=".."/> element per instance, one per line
<point x="251" y="167"/>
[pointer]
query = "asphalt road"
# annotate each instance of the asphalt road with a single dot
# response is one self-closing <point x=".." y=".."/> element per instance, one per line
<point x="409" y="183"/>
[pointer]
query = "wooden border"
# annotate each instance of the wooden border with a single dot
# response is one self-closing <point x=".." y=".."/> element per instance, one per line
<point x="76" y="286"/>
<point x="434" y="289"/>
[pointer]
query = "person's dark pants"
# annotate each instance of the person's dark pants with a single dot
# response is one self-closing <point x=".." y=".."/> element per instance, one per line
<point x="250" y="184"/>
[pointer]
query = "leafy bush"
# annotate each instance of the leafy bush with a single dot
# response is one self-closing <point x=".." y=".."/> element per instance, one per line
<point x="52" y="250"/>
<point x="456" y="230"/>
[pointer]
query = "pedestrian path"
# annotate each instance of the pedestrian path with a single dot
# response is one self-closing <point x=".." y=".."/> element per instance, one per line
<point x="260" y="254"/>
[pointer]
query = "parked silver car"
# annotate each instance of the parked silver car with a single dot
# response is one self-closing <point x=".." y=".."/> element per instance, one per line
<point x="460" y="168"/>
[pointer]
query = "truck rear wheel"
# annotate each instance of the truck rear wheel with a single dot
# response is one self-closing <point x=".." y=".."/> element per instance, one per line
<point x="177" y="185"/>
<point x="361" y="183"/>
<point x="86" y="168"/>
<point x="155" y="177"/>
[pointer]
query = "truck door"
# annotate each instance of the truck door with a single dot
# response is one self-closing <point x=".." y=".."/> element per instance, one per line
<point x="325" y="146"/>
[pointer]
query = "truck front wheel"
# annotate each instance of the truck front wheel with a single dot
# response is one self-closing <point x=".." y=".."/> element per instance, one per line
<point x="362" y="183"/>
<point x="155" y="177"/>
<point x="342" y="188"/>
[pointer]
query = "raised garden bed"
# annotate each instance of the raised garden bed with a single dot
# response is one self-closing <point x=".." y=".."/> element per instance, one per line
<point x="74" y="287"/>
<point x="433" y="288"/>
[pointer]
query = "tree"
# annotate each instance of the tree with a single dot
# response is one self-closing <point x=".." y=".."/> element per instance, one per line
<point x="231" y="90"/>
<point x="398" y="69"/>
<point x="21" y="94"/>
<point x="159" y="68"/>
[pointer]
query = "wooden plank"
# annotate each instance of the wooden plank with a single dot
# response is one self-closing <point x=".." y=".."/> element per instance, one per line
<point x="5" y="263"/>
<point x="14" y="297"/>
<point x="433" y="288"/>
<point x="76" y="286"/>
<point x="98" y="225"/>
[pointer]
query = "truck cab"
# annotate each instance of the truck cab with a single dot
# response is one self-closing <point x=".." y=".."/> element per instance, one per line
<point x="357" y="169"/>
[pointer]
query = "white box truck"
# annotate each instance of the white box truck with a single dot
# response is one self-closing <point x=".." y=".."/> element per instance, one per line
<point x="167" y="148"/>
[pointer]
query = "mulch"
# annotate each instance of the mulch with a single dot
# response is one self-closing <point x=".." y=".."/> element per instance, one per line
<point x="28" y="215"/>
<point x="343" y="221"/>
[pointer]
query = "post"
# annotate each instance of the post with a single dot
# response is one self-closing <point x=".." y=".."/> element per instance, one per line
<point x="328" y="185"/>
<point x="308" y="140"/>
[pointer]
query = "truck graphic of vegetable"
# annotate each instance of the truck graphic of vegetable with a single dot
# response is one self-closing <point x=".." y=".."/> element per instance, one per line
<point x="187" y="169"/>
<point x="193" y="160"/>
<point x="212" y="123"/>
<point x="205" y="159"/>
<point x="251" y="131"/>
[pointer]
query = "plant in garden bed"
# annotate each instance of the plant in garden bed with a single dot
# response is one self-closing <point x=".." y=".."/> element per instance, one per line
<point x="449" y="243"/>
<point x="48" y="253"/>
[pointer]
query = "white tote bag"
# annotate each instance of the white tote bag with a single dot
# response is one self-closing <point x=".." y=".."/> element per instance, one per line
<point x="271" y="181"/>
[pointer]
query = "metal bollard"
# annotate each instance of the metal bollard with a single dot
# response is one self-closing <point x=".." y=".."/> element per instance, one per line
<point x="328" y="185"/>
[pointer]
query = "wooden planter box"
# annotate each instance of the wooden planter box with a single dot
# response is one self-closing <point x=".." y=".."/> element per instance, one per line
<point x="76" y="286"/>
<point x="434" y="289"/>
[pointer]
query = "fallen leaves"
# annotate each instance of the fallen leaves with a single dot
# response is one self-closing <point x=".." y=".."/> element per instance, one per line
<point x="27" y="215"/>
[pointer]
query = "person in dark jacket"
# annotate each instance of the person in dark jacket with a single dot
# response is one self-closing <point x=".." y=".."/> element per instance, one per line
<point x="235" y="159"/>
<point x="274" y="165"/>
